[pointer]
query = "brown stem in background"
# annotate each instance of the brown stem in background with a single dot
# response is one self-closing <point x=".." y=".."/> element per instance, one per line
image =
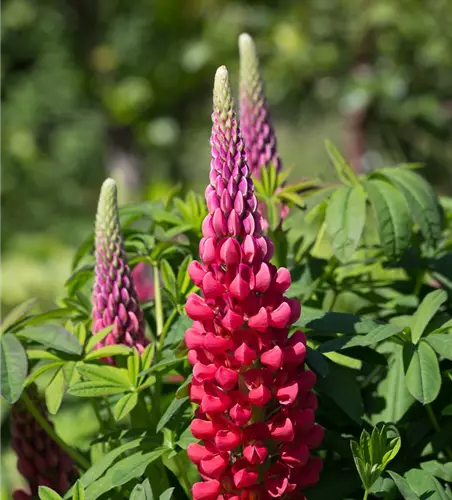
<point x="355" y="141"/>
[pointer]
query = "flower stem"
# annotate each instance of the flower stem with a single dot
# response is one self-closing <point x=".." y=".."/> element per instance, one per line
<point x="435" y="425"/>
<point x="167" y="326"/>
<point x="158" y="301"/>
<point x="366" y="494"/>
<point x="81" y="461"/>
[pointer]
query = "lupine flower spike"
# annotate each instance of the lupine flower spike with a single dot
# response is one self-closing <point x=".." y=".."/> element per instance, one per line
<point x="257" y="130"/>
<point x="114" y="296"/>
<point x="255" y="420"/>
<point x="255" y="122"/>
<point x="39" y="459"/>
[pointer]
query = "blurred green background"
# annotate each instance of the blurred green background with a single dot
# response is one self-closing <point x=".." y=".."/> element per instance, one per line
<point x="96" y="88"/>
<point x="123" y="88"/>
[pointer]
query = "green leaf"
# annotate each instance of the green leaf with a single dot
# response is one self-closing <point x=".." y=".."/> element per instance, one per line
<point x="122" y="472"/>
<point x="425" y="312"/>
<point x="111" y="374"/>
<point x="332" y="323"/>
<point x="167" y="494"/>
<point x="403" y="486"/>
<point x="422" y="374"/>
<point x="164" y="365"/>
<point x="441" y="343"/>
<point x="177" y="331"/>
<point x="104" y="463"/>
<point x="95" y="339"/>
<point x="17" y="314"/>
<point x="133" y="367"/>
<point x="424" y="484"/>
<point x="79" y="491"/>
<point x="39" y="370"/>
<point x="40" y="354"/>
<point x="147" y="357"/>
<point x="393" y="216"/>
<point x="378" y="334"/>
<point x="125" y="405"/>
<point x="48" y="494"/>
<point x="108" y="351"/>
<point x="345" y="218"/>
<point x="53" y="337"/>
<point x="174" y="408"/>
<point x="168" y="276"/>
<point x="142" y="491"/>
<point x="317" y="362"/>
<point x="421" y="199"/>
<point x="95" y="388"/>
<point x="344" y="171"/>
<point x="438" y="469"/>
<point x="55" y="391"/>
<point x="13" y="366"/>
<point x="392" y="389"/>
<point x="183" y="278"/>
<point x="184" y="389"/>
<point x="341" y="386"/>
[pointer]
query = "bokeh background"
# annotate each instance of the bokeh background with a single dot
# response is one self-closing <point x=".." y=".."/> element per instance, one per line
<point x="123" y="88"/>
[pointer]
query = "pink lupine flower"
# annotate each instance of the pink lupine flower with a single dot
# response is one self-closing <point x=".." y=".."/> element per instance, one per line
<point x="114" y="298"/>
<point x="39" y="459"/>
<point x="256" y="409"/>
<point x="255" y="122"/>
<point x="257" y="130"/>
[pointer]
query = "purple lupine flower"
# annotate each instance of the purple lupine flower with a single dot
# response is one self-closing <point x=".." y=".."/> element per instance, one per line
<point x="114" y="299"/>
<point x="39" y="459"/>
<point x="255" y="123"/>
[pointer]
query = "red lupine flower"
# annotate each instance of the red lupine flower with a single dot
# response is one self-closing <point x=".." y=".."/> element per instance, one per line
<point x="256" y="406"/>
<point x="114" y="298"/>
<point x="39" y="459"/>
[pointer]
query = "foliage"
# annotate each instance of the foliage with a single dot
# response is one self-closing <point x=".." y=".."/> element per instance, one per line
<point x="370" y="259"/>
<point x="379" y="331"/>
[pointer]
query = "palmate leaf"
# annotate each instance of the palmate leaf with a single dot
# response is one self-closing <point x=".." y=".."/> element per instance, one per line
<point x="421" y="199"/>
<point x="14" y="366"/>
<point x="373" y="453"/>
<point x="403" y="486"/>
<point x="122" y="472"/>
<point x="441" y="343"/>
<point x="393" y="216"/>
<point x="392" y="389"/>
<point x="18" y="313"/>
<point x="426" y="486"/>
<point x="142" y="491"/>
<point x="422" y="373"/>
<point x="344" y="171"/>
<point x="52" y="336"/>
<point x="345" y="218"/>
<point x="98" y="468"/>
<point x="425" y="312"/>
<point x="175" y="407"/>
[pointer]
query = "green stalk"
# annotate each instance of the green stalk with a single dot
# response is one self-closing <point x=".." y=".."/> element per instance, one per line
<point x="155" y="411"/>
<point x="166" y="328"/>
<point x="366" y="494"/>
<point x="78" y="458"/>
<point x="158" y="301"/>
<point x="435" y="425"/>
